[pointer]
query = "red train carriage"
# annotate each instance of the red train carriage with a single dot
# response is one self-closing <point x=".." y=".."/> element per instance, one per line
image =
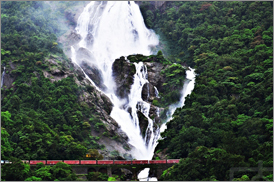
<point x="53" y="162"/>
<point x="88" y="162"/>
<point x="122" y="162"/>
<point x="171" y="161"/>
<point x="104" y="162"/>
<point x="157" y="162"/>
<point x="72" y="161"/>
<point x="33" y="162"/>
<point x="140" y="162"/>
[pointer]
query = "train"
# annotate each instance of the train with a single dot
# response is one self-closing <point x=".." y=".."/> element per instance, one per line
<point x="98" y="162"/>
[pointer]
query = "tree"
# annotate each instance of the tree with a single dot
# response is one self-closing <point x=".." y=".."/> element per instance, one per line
<point x="97" y="176"/>
<point x="95" y="154"/>
<point x="16" y="171"/>
<point x="204" y="164"/>
<point x="6" y="145"/>
<point x="63" y="172"/>
<point x="33" y="178"/>
<point x="43" y="172"/>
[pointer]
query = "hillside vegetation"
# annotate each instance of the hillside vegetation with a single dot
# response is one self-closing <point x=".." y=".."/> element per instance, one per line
<point x="40" y="119"/>
<point x="227" y="121"/>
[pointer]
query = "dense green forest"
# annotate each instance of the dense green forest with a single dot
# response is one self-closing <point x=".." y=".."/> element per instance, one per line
<point x="40" y="119"/>
<point x="227" y="121"/>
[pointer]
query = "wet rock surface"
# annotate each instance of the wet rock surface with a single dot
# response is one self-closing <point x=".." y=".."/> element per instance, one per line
<point x="149" y="92"/>
<point x="90" y="39"/>
<point x="154" y="74"/>
<point x="73" y="38"/>
<point x="143" y="123"/>
<point x="9" y="78"/>
<point x="123" y="73"/>
<point x="94" y="74"/>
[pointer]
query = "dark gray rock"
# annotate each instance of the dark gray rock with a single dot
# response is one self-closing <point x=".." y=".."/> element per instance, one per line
<point x="90" y="39"/>
<point x="73" y="38"/>
<point x="83" y="54"/>
<point x="148" y="92"/>
<point x="94" y="74"/>
<point x="143" y="123"/>
<point x="123" y="73"/>
<point x="154" y="74"/>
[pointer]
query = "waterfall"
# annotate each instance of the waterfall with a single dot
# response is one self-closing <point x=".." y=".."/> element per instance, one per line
<point x="189" y="84"/>
<point x="187" y="89"/>
<point x="73" y="59"/>
<point x="2" y="79"/>
<point x="156" y="92"/>
<point x="108" y="31"/>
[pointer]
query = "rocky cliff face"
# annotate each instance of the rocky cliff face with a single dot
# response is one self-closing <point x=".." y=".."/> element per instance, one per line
<point x="155" y="78"/>
<point x="123" y="73"/>
<point x="8" y="78"/>
<point x="58" y="68"/>
<point x="114" y="139"/>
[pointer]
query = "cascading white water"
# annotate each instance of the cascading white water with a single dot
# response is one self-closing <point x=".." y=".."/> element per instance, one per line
<point x="110" y="30"/>
<point x="2" y="79"/>
<point x="156" y="92"/>
<point x="187" y="89"/>
<point x="73" y="58"/>
<point x="116" y="29"/>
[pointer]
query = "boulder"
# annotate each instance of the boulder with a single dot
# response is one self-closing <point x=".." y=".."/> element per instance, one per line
<point x="123" y="73"/>
<point x="56" y="71"/>
<point x="155" y="77"/>
<point x="90" y="39"/>
<point x="143" y="123"/>
<point x="94" y="74"/>
<point x="148" y="92"/>
<point x="154" y="113"/>
<point x="84" y="54"/>
<point x="73" y="38"/>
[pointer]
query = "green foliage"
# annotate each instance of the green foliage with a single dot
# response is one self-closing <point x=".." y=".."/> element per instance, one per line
<point x="155" y="102"/>
<point x="63" y="172"/>
<point x="6" y="145"/>
<point x="203" y="164"/>
<point x="33" y="178"/>
<point x="97" y="176"/>
<point x="243" y="178"/>
<point x="16" y="171"/>
<point x="114" y="153"/>
<point x="240" y="121"/>
<point x="222" y="27"/>
<point x="95" y="154"/>
<point x="111" y="179"/>
<point x="175" y="75"/>
<point x="39" y="119"/>
<point x="3" y="52"/>
<point x="230" y="109"/>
